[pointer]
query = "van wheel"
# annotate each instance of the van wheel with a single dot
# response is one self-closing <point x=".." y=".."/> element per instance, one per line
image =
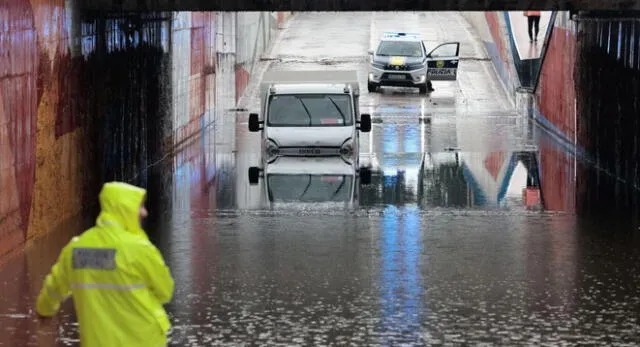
<point x="372" y="87"/>
<point x="423" y="89"/>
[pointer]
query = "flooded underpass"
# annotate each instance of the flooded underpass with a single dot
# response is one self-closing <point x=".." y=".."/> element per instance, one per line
<point x="470" y="231"/>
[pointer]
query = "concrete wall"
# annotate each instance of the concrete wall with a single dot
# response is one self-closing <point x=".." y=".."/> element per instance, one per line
<point x="256" y="31"/>
<point x="193" y="68"/>
<point x="492" y="30"/>
<point x="84" y="100"/>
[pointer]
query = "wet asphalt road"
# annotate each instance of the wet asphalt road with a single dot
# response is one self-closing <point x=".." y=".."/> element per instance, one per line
<point x="443" y="248"/>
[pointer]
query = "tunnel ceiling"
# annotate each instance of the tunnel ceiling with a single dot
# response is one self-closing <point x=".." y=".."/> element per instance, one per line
<point x="364" y="5"/>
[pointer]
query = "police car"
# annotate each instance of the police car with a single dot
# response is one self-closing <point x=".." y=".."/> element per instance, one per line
<point x="402" y="60"/>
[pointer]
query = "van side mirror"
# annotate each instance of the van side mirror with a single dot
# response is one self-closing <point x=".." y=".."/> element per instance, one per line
<point x="254" y="175"/>
<point x="365" y="176"/>
<point x="254" y="123"/>
<point x="365" y="123"/>
<point x="370" y="52"/>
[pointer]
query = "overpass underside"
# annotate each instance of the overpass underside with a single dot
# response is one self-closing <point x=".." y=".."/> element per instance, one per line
<point x="352" y="5"/>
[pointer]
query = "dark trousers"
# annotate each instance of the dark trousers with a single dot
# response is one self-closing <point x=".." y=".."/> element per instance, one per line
<point x="534" y="22"/>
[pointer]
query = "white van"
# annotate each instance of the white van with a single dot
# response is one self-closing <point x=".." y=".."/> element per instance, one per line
<point x="310" y="113"/>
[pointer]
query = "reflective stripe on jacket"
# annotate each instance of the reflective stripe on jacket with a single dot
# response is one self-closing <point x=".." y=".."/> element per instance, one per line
<point x="117" y="278"/>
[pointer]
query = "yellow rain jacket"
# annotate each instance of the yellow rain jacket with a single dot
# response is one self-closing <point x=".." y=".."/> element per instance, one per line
<point x="116" y="276"/>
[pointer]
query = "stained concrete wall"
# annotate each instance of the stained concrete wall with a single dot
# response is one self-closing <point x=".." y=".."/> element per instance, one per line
<point x="86" y="99"/>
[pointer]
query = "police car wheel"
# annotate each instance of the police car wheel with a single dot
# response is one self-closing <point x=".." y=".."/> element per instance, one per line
<point x="423" y="89"/>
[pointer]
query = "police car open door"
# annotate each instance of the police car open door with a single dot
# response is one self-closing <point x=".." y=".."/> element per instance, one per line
<point x="442" y="62"/>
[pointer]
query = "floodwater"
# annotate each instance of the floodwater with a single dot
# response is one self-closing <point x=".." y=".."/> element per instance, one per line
<point x="469" y="233"/>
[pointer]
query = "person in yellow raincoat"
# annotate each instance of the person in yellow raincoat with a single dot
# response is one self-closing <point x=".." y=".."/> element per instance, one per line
<point x="117" y="278"/>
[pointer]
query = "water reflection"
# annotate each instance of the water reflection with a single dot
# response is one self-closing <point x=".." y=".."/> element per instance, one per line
<point x="401" y="286"/>
<point x="458" y="180"/>
<point x="307" y="183"/>
<point x="404" y="274"/>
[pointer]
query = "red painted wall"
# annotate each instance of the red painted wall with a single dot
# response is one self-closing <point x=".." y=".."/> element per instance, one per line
<point x="556" y="94"/>
<point x="202" y="68"/>
<point x="499" y="39"/>
<point x="242" y="80"/>
<point x="557" y="180"/>
<point x="20" y="92"/>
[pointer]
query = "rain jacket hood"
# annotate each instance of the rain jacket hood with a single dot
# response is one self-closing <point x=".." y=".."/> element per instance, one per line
<point x="120" y="204"/>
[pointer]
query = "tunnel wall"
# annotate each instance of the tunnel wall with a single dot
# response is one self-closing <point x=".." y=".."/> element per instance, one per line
<point x="555" y="96"/>
<point x="491" y="28"/>
<point x="256" y="31"/>
<point x="193" y="71"/>
<point x="87" y="98"/>
<point x="43" y="162"/>
<point x="608" y="108"/>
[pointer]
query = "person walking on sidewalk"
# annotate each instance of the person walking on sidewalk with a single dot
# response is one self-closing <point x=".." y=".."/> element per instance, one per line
<point x="533" y="19"/>
<point x="117" y="278"/>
